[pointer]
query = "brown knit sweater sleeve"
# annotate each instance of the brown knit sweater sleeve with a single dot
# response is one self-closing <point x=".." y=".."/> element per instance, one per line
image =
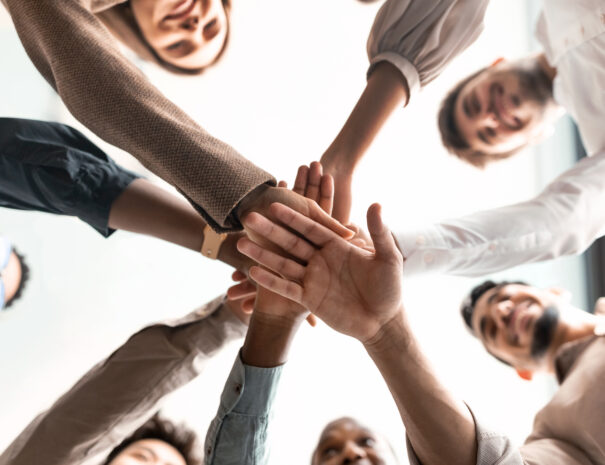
<point x="108" y="94"/>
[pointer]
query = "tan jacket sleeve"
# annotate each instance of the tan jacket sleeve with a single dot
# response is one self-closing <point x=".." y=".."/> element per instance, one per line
<point x="79" y="58"/>
<point x="119" y="394"/>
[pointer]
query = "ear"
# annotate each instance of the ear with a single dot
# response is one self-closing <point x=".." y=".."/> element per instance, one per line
<point x="561" y="292"/>
<point x="524" y="374"/>
<point x="497" y="61"/>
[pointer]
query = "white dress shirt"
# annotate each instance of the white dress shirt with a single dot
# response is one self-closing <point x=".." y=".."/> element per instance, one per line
<point x="570" y="213"/>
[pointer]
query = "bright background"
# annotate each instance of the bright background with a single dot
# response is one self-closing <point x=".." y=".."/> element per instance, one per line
<point x="291" y="76"/>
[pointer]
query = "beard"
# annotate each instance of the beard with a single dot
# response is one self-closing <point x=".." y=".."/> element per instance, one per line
<point x="544" y="331"/>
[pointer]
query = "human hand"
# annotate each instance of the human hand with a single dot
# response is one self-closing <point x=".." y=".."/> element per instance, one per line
<point x="239" y="302"/>
<point x="262" y="197"/>
<point x="355" y="291"/>
<point x="343" y="193"/>
<point x="314" y="185"/>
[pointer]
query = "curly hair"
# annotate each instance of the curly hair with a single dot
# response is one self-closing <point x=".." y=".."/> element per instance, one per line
<point x="180" y="437"/>
<point x="25" y="275"/>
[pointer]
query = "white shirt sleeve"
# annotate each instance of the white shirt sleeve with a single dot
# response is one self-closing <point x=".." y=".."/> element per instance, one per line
<point x="420" y="37"/>
<point x="564" y="219"/>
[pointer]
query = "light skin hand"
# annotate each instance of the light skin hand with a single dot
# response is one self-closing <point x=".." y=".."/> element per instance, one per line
<point x="276" y="319"/>
<point x="385" y="91"/>
<point x="335" y="274"/>
<point x="358" y="293"/>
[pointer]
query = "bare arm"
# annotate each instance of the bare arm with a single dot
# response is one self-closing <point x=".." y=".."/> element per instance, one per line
<point x="145" y="208"/>
<point x="385" y="91"/>
<point x="439" y="426"/>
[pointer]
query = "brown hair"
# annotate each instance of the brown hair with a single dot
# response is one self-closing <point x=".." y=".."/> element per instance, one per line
<point x="121" y="23"/>
<point x="451" y="137"/>
<point x="181" y="438"/>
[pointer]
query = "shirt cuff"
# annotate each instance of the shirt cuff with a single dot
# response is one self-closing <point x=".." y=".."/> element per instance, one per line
<point x="405" y="67"/>
<point x="492" y="447"/>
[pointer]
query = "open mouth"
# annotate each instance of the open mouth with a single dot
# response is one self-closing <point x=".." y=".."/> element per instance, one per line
<point x="497" y="105"/>
<point x="181" y="10"/>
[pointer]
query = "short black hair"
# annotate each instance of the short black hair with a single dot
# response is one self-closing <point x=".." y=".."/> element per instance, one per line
<point x="467" y="309"/>
<point x="182" y="438"/>
<point x="25" y="275"/>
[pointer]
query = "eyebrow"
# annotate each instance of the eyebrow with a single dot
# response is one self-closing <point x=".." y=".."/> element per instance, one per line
<point x="150" y="451"/>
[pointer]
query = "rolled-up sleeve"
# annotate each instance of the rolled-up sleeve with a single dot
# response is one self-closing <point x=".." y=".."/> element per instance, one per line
<point x="420" y="37"/>
<point x="492" y="448"/>
<point x="119" y="394"/>
<point x="238" y="433"/>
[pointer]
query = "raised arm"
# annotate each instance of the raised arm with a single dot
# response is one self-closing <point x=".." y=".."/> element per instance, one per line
<point x="564" y="219"/>
<point x="410" y="44"/>
<point x="358" y="293"/>
<point x="123" y="391"/>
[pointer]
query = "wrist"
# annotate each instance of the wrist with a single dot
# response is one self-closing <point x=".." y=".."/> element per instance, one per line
<point x="268" y="340"/>
<point x="229" y="254"/>
<point x="251" y="200"/>
<point x="393" y="334"/>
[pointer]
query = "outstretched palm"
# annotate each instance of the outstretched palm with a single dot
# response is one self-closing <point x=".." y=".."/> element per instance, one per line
<point x="353" y="290"/>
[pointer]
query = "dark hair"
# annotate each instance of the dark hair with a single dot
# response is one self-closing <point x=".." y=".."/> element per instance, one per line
<point x="25" y="273"/>
<point x="451" y="137"/>
<point x="180" y="437"/>
<point x="468" y="305"/>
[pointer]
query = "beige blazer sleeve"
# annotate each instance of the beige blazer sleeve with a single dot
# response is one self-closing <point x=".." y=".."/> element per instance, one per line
<point x="79" y="58"/>
<point x="120" y="393"/>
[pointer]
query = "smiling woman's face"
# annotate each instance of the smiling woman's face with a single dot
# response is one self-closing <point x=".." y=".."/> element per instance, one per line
<point x="188" y="34"/>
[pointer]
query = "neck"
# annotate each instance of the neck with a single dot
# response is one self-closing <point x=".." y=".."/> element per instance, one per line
<point x="578" y="324"/>
<point x="544" y="66"/>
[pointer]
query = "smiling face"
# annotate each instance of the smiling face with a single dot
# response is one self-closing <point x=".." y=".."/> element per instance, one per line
<point x="505" y="107"/>
<point x="149" y="452"/>
<point x="519" y="324"/>
<point x="188" y="34"/>
<point x="344" y="441"/>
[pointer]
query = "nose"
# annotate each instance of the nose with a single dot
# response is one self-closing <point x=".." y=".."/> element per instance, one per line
<point x="503" y="310"/>
<point x="352" y="452"/>
<point x="190" y="23"/>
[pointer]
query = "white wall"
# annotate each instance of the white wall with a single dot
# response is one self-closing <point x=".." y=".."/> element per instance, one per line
<point x="293" y="72"/>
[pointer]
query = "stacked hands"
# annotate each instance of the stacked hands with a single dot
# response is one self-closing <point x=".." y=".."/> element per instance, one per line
<point x="351" y="281"/>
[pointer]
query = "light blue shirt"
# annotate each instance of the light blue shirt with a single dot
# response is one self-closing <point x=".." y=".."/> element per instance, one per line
<point x="238" y="433"/>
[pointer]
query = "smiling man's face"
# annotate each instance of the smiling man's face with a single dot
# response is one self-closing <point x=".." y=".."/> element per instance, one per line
<point x="505" y="107"/>
<point x="518" y="324"/>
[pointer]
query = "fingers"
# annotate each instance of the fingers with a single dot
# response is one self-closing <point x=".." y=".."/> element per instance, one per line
<point x="283" y="184"/>
<point x="238" y="276"/>
<point x="248" y="305"/>
<point x="311" y="229"/>
<point x="314" y="182"/>
<point x="312" y="320"/>
<point x="241" y="290"/>
<point x="300" y="183"/>
<point x="326" y="194"/>
<point x="380" y="234"/>
<point x="284" y="266"/>
<point x="280" y="236"/>
<point x="276" y="284"/>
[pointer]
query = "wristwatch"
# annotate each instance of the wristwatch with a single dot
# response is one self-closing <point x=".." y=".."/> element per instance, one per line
<point x="212" y="243"/>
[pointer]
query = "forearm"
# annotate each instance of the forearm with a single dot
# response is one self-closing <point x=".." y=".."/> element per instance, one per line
<point x="145" y="208"/>
<point x="111" y="97"/>
<point x="386" y="90"/>
<point x="268" y="340"/>
<point x="440" y="427"/>
<point x="116" y="395"/>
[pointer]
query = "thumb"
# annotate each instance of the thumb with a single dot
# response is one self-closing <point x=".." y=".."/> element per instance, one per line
<point x="380" y="234"/>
